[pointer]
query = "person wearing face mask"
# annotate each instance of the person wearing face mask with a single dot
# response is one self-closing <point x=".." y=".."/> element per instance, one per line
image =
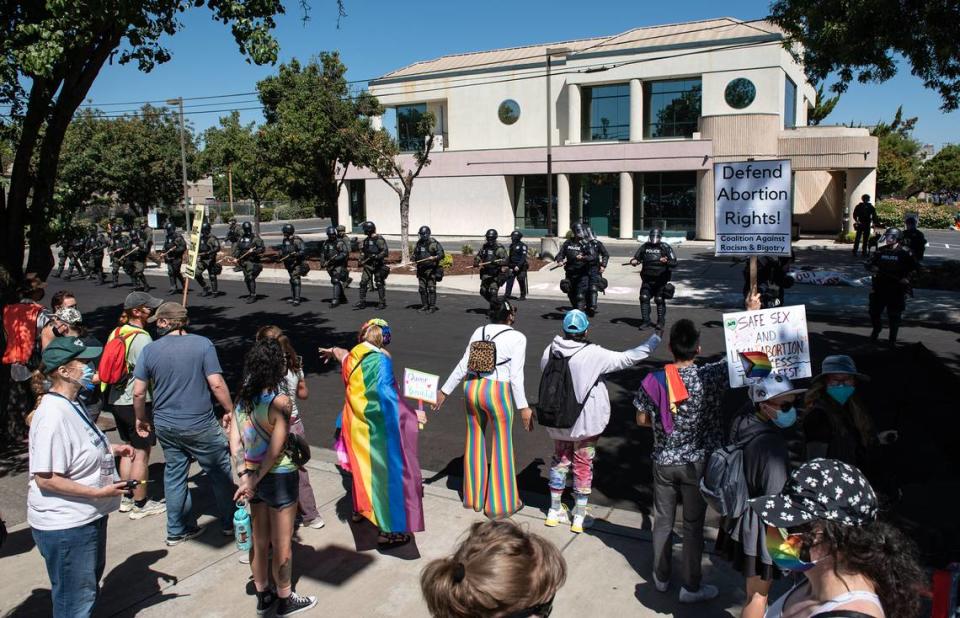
<point x="74" y="484"/>
<point x="824" y="524"/>
<point x="762" y="429"/>
<point x="72" y="326"/>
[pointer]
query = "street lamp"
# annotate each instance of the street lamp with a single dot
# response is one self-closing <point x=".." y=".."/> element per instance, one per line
<point x="550" y="52"/>
<point x="183" y="162"/>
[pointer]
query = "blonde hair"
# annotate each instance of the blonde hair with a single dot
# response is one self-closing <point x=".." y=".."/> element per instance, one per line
<point x="499" y="569"/>
<point x="371" y="333"/>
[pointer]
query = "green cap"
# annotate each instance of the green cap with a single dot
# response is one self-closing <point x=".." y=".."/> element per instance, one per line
<point x="62" y="350"/>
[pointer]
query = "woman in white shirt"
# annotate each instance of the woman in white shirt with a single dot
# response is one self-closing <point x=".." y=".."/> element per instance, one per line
<point x="492" y="398"/>
<point x="73" y="481"/>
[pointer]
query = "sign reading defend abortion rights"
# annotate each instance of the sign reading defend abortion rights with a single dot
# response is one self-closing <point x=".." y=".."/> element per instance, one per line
<point x="780" y="333"/>
<point x="753" y="207"/>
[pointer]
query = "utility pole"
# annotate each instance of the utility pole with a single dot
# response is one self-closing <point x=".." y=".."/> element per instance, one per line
<point x="230" y="186"/>
<point x="550" y="51"/>
<point x="183" y="162"/>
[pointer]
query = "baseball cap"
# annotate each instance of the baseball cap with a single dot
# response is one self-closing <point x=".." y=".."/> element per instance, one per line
<point x="820" y="489"/>
<point x="575" y="322"/>
<point x="70" y="315"/>
<point x="842" y="364"/>
<point x="772" y="386"/>
<point x="62" y="350"/>
<point x="141" y="299"/>
<point x="169" y="311"/>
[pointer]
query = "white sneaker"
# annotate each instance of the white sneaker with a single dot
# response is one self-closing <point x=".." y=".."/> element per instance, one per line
<point x="315" y="523"/>
<point x="705" y="593"/>
<point x="659" y="585"/>
<point x="580" y="522"/>
<point x="150" y="508"/>
<point x="126" y="504"/>
<point x="555" y="517"/>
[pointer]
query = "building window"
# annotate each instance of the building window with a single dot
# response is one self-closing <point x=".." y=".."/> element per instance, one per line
<point x="671" y="108"/>
<point x="605" y="113"/>
<point x="789" y="104"/>
<point x="530" y="203"/>
<point x="665" y="199"/>
<point x="509" y="112"/>
<point x="408" y="117"/>
<point x="740" y="93"/>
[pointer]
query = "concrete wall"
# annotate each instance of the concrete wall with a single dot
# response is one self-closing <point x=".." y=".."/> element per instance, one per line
<point x="818" y="201"/>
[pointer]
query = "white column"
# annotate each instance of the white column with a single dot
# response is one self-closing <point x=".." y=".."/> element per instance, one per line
<point x="626" y="205"/>
<point x="563" y="204"/>
<point x="636" y="110"/>
<point x="573" y="114"/>
<point x="376" y="122"/>
<point x="859" y="182"/>
<point x="706" y="214"/>
<point x="343" y="205"/>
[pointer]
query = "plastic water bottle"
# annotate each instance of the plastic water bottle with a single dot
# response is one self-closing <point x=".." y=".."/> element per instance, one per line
<point x="241" y="526"/>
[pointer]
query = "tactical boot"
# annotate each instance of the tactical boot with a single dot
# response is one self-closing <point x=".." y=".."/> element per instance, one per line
<point x="253" y="291"/>
<point x="382" y="293"/>
<point x="296" y="295"/>
<point x="337" y="295"/>
<point x="432" y="300"/>
<point x="362" y="303"/>
<point x="293" y="293"/>
<point x="116" y="281"/>
<point x="424" y="305"/>
<point x="661" y="316"/>
<point x="644" y="314"/>
<point x="206" y="291"/>
<point x="213" y="285"/>
<point x="144" y="285"/>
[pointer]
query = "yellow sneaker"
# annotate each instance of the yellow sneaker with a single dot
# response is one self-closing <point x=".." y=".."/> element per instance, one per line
<point x="555" y="517"/>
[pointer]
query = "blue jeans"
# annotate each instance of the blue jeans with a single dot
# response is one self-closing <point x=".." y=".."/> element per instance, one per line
<point x="75" y="559"/>
<point x="208" y="446"/>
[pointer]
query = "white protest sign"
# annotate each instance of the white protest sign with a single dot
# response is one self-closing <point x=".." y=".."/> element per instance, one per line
<point x="194" y="243"/>
<point x="152" y="218"/>
<point x="753" y="205"/>
<point x="420" y="386"/>
<point x="780" y="333"/>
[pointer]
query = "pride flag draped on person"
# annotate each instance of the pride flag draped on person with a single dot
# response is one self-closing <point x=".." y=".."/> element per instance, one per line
<point x="666" y="388"/>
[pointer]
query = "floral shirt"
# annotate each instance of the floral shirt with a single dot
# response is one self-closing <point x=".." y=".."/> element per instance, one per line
<point x="697" y="426"/>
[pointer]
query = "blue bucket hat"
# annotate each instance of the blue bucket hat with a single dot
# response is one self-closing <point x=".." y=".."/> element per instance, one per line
<point x="575" y="322"/>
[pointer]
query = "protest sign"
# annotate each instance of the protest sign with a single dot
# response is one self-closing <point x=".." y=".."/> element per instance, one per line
<point x="753" y="205"/>
<point x="194" y="244"/>
<point x="420" y="386"/>
<point x="780" y="333"/>
<point x="152" y="218"/>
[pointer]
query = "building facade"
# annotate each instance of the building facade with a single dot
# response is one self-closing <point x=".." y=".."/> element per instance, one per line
<point x="633" y="124"/>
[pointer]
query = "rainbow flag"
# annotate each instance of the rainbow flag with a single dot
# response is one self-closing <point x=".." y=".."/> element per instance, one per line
<point x="380" y="435"/>
<point x="667" y="390"/>
<point x="756" y="365"/>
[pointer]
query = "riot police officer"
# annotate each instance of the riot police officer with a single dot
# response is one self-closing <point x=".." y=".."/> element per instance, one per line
<point x="118" y="247"/>
<point x="247" y="250"/>
<point x="577" y="256"/>
<point x="597" y="281"/>
<point x="233" y="232"/>
<point x="348" y="242"/>
<point x="658" y="260"/>
<point x="207" y="260"/>
<point x="492" y="260"/>
<point x="427" y="255"/>
<point x="75" y="250"/>
<point x="373" y="256"/>
<point x="914" y="240"/>
<point x="517" y="265"/>
<point x="135" y="261"/>
<point x="63" y="244"/>
<point x="93" y="251"/>
<point x="772" y="280"/>
<point x="334" y="253"/>
<point x="293" y="254"/>
<point x="174" y="246"/>
<point x="892" y="265"/>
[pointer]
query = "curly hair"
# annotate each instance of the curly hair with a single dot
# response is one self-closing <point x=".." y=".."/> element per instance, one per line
<point x="498" y="570"/>
<point x="264" y="367"/>
<point x="275" y="332"/>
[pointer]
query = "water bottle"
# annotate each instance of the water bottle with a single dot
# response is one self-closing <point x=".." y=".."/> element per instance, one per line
<point x="241" y="526"/>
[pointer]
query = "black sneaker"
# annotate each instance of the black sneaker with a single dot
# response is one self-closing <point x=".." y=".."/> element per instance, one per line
<point x="265" y="601"/>
<point x="181" y="538"/>
<point x="294" y="604"/>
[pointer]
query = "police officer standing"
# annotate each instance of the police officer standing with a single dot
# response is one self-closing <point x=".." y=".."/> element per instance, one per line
<point x="247" y="250"/>
<point x="491" y="259"/>
<point x="233" y="232"/>
<point x="63" y="243"/>
<point x="118" y="247"/>
<point x="75" y="251"/>
<point x="135" y="261"/>
<point x="427" y="255"/>
<point x="207" y="260"/>
<point x="658" y="260"/>
<point x="517" y="264"/>
<point x="342" y="235"/>
<point x="914" y="240"/>
<point x="892" y="265"/>
<point x="293" y="254"/>
<point x="864" y="216"/>
<point x="174" y="246"/>
<point x="578" y="257"/>
<point x="772" y="280"/>
<point x="335" y="254"/>
<point x="373" y="256"/>
<point x="597" y="282"/>
<point x="95" y="244"/>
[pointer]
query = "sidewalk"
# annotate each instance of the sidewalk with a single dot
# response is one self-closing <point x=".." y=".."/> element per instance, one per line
<point x="608" y="566"/>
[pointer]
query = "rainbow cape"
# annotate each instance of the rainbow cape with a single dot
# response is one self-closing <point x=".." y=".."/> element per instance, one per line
<point x="667" y="390"/>
<point x="755" y="365"/>
<point x="380" y="436"/>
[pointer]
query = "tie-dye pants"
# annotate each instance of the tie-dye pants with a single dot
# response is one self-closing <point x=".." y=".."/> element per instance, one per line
<point x="489" y="487"/>
<point x="579" y="455"/>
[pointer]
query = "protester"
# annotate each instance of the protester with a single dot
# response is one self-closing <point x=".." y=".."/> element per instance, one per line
<point x="824" y="525"/>
<point x="137" y="308"/>
<point x="498" y="571"/>
<point x="268" y="476"/>
<point x="760" y="429"/>
<point x="684" y="402"/>
<point x="72" y="322"/>
<point x="73" y="481"/>
<point x="487" y="396"/>
<point x="183" y="370"/>
<point x="63" y="298"/>
<point x="294" y="386"/>
<point x="54" y="327"/>
<point x="23" y="323"/>
<point x="380" y="436"/>
<point x="576" y="446"/>
<point x="837" y="424"/>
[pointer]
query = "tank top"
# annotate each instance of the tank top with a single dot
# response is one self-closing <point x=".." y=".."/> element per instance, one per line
<point x="255" y="431"/>
<point x="776" y="609"/>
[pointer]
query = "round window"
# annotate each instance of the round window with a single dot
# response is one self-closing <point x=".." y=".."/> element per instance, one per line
<point x="509" y="112"/>
<point x="740" y="93"/>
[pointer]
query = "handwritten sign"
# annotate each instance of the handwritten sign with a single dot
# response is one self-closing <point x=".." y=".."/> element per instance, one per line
<point x="780" y="333"/>
<point x="754" y="205"/>
<point x="420" y="386"/>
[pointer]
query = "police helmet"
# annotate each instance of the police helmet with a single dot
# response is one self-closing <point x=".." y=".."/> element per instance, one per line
<point x="368" y="227"/>
<point x="892" y="236"/>
<point x="341" y="229"/>
<point x="491" y="235"/>
<point x="578" y="231"/>
<point x="287" y="229"/>
<point x="331" y="232"/>
<point x="588" y="233"/>
<point x="424" y="232"/>
<point x="171" y="228"/>
<point x="515" y="235"/>
<point x="233" y="220"/>
<point x="205" y="229"/>
<point x="247" y="228"/>
<point x="655" y="235"/>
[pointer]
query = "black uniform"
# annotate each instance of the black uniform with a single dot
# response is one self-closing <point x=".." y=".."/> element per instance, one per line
<point x="517" y="265"/>
<point x="597" y="282"/>
<point x="493" y="256"/>
<point x="892" y="267"/>
<point x="658" y="260"/>
<point x="207" y="260"/>
<point x="335" y="254"/>
<point x="429" y="271"/>
<point x="293" y="253"/>
<point x="75" y="249"/>
<point x="578" y="257"/>
<point x="136" y="261"/>
<point x="233" y="232"/>
<point x="772" y="280"/>
<point x="174" y="246"/>
<point x="93" y="253"/>
<point x="373" y="256"/>
<point x="864" y="216"/>
<point x="248" y="250"/>
<point x="915" y="242"/>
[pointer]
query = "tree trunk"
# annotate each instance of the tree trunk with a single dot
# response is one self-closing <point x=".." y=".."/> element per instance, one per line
<point x="404" y="226"/>
<point x="256" y="217"/>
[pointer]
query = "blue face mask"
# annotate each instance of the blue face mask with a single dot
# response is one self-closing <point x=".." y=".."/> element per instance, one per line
<point x="86" y="378"/>
<point x="785" y="419"/>
<point x="841" y="392"/>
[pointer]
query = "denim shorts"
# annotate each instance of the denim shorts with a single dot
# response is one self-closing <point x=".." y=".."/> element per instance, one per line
<point x="278" y="490"/>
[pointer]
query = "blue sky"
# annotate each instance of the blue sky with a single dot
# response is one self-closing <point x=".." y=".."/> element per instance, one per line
<point x="377" y="37"/>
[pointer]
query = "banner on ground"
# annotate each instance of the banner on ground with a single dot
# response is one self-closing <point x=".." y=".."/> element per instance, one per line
<point x="754" y="205"/>
<point x="780" y="333"/>
<point x="420" y="386"/>
<point x="194" y="244"/>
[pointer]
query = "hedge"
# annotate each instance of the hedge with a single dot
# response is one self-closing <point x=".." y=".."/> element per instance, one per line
<point x="891" y="213"/>
<point x="295" y="211"/>
<point x="266" y="215"/>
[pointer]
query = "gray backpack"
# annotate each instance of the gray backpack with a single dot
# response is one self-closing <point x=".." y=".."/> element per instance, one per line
<point x="723" y="485"/>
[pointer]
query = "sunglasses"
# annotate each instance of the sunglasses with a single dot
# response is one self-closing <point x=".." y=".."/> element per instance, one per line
<point x="542" y="611"/>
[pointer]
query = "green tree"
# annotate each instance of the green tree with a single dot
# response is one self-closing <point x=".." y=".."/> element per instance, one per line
<point x="898" y="164"/>
<point x="861" y="39"/>
<point x="823" y="108"/>
<point x="312" y="128"/>
<point x="941" y="174"/>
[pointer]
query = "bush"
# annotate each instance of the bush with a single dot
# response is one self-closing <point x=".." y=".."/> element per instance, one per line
<point x="466" y="249"/>
<point x="891" y="212"/>
<point x="179" y="219"/>
<point x="266" y="215"/>
<point x="447" y="261"/>
<point x="846" y="238"/>
<point x="295" y="211"/>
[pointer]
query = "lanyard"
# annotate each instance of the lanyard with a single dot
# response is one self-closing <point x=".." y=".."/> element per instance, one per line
<point x="82" y="413"/>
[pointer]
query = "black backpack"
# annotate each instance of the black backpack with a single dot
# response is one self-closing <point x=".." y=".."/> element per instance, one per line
<point x="558" y="406"/>
<point x="724" y="485"/>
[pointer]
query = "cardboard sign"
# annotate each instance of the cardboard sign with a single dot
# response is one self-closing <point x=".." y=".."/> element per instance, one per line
<point x="780" y="333"/>
<point x="193" y="245"/>
<point x="754" y="207"/>
<point x="420" y="386"/>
